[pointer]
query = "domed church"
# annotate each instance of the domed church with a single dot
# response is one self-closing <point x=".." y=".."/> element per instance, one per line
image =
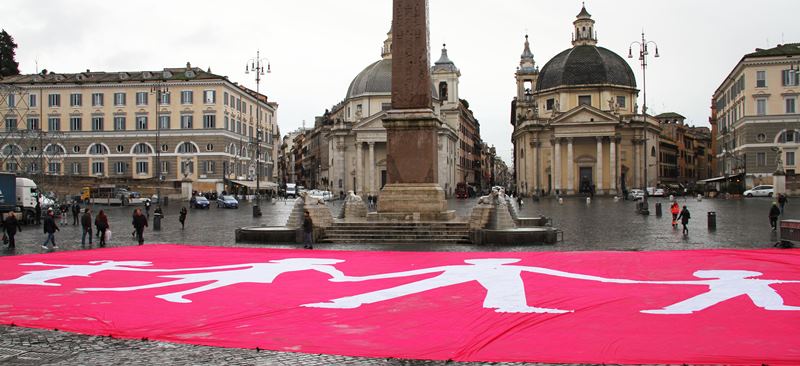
<point x="356" y="140"/>
<point x="577" y="129"/>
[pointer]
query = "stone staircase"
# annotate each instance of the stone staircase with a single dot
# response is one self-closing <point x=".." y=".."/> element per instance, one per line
<point x="397" y="233"/>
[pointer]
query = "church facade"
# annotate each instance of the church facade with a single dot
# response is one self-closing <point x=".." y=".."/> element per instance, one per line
<point x="577" y="129"/>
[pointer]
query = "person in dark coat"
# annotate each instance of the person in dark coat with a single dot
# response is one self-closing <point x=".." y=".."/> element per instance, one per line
<point x="101" y="222"/>
<point x="182" y="217"/>
<point x="308" y="231"/>
<point x="139" y="223"/>
<point x="782" y="200"/>
<point x="50" y="227"/>
<point x="38" y="217"/>
<point x="76" y="212"/>
<point x="86" y="224"/>
<point x="774" y="213"/>
<point x="11" y="226"/>
<point x="684" y="217"/>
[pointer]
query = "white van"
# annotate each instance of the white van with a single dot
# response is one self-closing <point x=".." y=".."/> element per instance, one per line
<point x="291" y="190"/>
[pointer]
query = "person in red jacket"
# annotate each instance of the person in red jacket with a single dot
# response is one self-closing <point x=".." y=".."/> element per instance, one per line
<point x="675" y="210"/>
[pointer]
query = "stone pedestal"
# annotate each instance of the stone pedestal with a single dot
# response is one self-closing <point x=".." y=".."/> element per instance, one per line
<point x="186" y="190"/>
<point x="413" y="201"/>
<point x="779" y="183"/>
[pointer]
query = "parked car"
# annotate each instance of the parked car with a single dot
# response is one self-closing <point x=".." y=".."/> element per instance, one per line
<point x="655" y="192"/>
<point x="200" y="202"/>
<point x="635" y="194"/>
<point x="227" y="202"/>
<point x="760" y="191"/>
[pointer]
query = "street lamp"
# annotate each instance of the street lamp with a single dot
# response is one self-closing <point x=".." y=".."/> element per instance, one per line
<point x="643" y="52"/>
<point x="257" y="66"/>
<point x="161" y="91"/>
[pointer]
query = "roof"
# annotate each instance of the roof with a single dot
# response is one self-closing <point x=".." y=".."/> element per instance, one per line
<point x="88" y="77"/>
<point x="584" y="13"/>
<point x="670" y="115"/>
<point x="375" y="79"/>
<point x="585" y="65"/>
<point x="789" y="49"/>
<point x="444" y="64"/>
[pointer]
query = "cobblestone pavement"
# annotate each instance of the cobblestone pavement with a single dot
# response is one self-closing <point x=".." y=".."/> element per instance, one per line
<point x="600" y="225"/>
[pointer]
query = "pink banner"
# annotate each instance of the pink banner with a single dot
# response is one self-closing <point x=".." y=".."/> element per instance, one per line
<point x="699" y="307"/>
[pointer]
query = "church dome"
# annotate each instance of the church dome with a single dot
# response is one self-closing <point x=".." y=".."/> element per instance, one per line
<point x="585" y="65"/>
<point x="374" y="79"/>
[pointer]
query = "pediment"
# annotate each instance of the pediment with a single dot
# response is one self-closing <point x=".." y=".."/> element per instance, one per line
<point x="374" y="122"/>
<point x="586" y="115"/>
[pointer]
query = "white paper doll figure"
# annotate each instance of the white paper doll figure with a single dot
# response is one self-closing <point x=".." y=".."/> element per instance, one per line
<point x="41" y="278"/>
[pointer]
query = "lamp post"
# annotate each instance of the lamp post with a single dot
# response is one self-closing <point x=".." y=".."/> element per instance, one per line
<point x="643" y="53"/>
<point x="160" y="90"/>
<point x="257" y="66"/>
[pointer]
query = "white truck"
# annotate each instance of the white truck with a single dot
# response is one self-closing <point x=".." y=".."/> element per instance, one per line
<point x="27" y="196"/>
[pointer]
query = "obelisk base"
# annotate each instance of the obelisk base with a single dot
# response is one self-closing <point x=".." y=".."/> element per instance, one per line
<point x="412" y="202"/>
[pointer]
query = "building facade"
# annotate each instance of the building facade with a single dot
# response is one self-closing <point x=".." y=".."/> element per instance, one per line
<point x="685" y="155"/>
<point x="576" y="123"/>
<point x="184" y="124"/>
<point x="756" y="115"/>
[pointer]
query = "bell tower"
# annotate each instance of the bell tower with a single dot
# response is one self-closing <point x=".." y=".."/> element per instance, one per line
<point x="526" y="75"/>
<point x="584" y="29"/>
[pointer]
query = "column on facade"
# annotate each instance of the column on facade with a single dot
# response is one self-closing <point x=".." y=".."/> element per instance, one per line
<point x="557" y="165"/>
<point x="570" y="167"/>
<point x="599" y="179"/>
<point x="359" y="188"/>
<point x="612" y="162"/>
<point x="536" y="167"/>
<point x="371" y="185"/>
<point x="637" y="158"/>
<point x="341" y="184"/>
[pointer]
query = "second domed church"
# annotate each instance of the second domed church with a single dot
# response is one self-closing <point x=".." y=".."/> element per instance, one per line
<point x="576" y="123"/>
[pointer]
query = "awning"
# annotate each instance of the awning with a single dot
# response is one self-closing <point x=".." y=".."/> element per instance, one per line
<point x="252" y="184"/>
<point x="721" y="179"/>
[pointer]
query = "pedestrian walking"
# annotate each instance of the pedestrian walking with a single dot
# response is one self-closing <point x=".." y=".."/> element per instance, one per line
<point x="774" y="212"/>
<point x="147" y="207"/>
<point x="684" y="216"/>
<point x="675" y="210"/>
<point x="782" y="200"/>
<point x="50" y="227"/>
<point x="101" y="223"/>
<point x="139" y="223"/>
<point x="64" y="208"/>
<point x="308" y="231"/>
<point x="86" y="224"/>
<point x="38" y="218"/>
<point x="11" y="225"/>
<point x="76" y="211"/>
<point x="182" y="217"/>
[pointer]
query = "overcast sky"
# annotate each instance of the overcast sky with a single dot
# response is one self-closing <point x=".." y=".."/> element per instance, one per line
<point x="316" y="47"/>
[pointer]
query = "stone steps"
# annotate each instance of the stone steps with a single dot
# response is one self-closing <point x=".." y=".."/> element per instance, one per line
<point x="397" y="233"/>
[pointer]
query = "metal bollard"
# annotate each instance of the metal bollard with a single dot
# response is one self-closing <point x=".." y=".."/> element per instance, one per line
<point x="658" y="209"/>
<point x="712" y="220"/>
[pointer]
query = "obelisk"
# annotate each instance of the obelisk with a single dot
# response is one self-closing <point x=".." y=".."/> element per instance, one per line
<point x="412" y="190"/>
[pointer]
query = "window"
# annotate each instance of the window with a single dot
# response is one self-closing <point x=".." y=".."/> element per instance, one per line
<point x="141" y="122"/>
<point x="761" y="79"/>
<point x="208" y="167"/>
<point x="75" y="100"/>
<point x="790" y="105"/>
<point x="33" y="167"/>
<point x="142" y="148"/>
<point x="761" y="106"/>
<point x="244" y="107"/>
<point x="98" y="168"/>
<point x="164" y="148"/>
<point x="75" y="123"/>
<point x="549" y="104"/>
<point x="119" y="99"/>
<point x="238" y="126"/>
<point x="239" y="105"/>
<point x="76" y="149"/>
<point x="209" y="121"/>
<point x="11" y="124"/>
<point x="250" y="131"/>
<point x="97" y="100"/>
<point x="141" y="98"/>
<point x="790" y="158"/>
<point x="98" y="149"/>
<point x="187" y="148"/>
<point x="164" y="167"/>
<point x="163" y="122"/>
<point x="12" y="150"/>
<point x="226" y="123"/>
<point x="54" y="168"/>
<point x="11" y="101"/>
<point x="761" y="137"/>
<point x="32" y="100"/>
<point x="97" y="123"/>
<point x="187" y="96"/>
<point x="11" y="166"/>
<point x="653" y="151"/>
<point x="210" y="147"/>
<point x="119" y="123"/>
<point x="54" y="150"/>
<point x="119" y="167"/>
<point x="225" y="98"/>
<point x="585" y="100"/>
<point x="141" y="167"/>
<point x="33" y="123"/>
<point x="54" y="100"/>
<point x="76" y="168"/>
<point x="186" y="121"/>
<point x="54" y="124"/>
<point x="120" y="148"/>
<point x="164" y="98"/>
<point x="210" y="96"/>
<point x="761" y="159"/>
<point x="621" y="101"/>
<point x="790" y="78"/>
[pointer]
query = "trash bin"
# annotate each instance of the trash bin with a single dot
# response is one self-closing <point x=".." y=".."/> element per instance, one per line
<point x="166" y="200"/>
<point x="658" y="209"/>
<point x="157" y="221"/>
<point x="712" y="220"/>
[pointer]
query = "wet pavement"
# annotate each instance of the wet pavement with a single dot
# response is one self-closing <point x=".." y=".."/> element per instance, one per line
<point x="603" y="224"/>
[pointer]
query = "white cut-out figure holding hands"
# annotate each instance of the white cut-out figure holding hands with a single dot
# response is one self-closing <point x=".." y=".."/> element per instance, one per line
<point x="232" y="275"/>
<point x="724" y="285"/>
<point x="40" y="278"/>
<point x="505" y="290"/>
